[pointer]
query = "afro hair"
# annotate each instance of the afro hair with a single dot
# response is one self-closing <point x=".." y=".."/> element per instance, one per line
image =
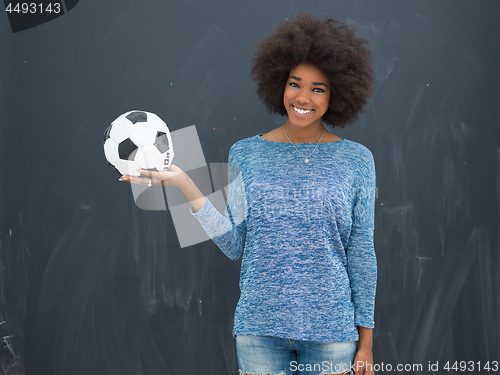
<point x="328" y="44"/>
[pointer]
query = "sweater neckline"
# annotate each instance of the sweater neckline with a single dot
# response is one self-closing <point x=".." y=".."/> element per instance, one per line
<point x="259" y="136"/>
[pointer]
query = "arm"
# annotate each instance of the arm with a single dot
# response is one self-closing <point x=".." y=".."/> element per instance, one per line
<point x="192" y="193"/>
<point x="361" y="259"/>
<point x="363" y="360"/>
<point x="228" y="231"/>
<point x="362" y="265"/>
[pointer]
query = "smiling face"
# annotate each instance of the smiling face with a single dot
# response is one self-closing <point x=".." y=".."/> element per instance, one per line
<point x="306" y="97"/>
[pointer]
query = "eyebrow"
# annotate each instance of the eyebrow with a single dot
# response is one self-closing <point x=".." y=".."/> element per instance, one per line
<point x="314" y="83"/>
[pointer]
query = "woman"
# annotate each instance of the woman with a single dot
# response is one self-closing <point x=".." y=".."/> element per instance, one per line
<point x="300" y="208"/>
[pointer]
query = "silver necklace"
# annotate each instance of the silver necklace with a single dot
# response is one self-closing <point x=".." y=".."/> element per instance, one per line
<point x="306" y="157"/>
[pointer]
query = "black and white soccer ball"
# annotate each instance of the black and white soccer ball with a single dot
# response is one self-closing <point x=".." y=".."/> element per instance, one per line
<point x="138" y="140"/>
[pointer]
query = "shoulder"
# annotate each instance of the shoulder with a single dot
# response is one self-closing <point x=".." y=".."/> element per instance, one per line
<point x="242" y="148"/>
<point x="357" y="152"/>
<point x="245" y="142"/>
<point x="360" y="159"/>
<point x="357" y="149"/>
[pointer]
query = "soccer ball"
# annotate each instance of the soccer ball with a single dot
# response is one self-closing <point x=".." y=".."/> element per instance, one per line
<point x="138" y="140"/>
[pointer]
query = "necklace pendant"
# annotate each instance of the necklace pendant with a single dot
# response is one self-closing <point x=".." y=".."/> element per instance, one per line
<point x="307" y="160"/>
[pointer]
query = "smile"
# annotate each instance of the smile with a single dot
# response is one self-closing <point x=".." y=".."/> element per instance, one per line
<point x="302" y="111"/>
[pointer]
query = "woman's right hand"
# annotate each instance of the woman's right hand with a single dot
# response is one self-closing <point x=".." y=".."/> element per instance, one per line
<point x="173" y="176"/>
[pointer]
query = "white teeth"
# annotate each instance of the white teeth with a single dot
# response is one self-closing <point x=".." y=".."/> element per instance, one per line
<point x="302" y="111"/>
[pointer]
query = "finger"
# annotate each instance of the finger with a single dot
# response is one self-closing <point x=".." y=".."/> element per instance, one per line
<point x="136" y="180"/>
<point x="149" y="173"/>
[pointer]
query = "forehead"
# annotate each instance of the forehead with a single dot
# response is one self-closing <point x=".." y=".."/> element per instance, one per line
<point x="307" y="71"/>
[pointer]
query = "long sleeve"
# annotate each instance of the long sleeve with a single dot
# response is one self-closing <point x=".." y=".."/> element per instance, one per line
<point x="228" y="231"/>
<point x="362" y="263"/>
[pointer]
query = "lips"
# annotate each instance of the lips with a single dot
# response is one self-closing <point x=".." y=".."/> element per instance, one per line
<point x="301" y="111"/>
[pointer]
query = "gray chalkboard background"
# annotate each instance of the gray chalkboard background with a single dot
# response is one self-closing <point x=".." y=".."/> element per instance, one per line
<point x="91" y="284"/>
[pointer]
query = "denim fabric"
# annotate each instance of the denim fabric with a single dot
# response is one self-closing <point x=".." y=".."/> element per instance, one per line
<point x="261" y="355"/>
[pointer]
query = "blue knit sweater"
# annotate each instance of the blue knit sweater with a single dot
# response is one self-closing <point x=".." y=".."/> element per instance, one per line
<point x="305" y="231"/>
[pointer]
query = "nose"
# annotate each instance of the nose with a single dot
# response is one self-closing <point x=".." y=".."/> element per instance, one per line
<point x="303" y="97"/>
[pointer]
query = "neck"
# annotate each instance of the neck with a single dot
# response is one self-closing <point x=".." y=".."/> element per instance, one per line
<point x="304" y="135"/>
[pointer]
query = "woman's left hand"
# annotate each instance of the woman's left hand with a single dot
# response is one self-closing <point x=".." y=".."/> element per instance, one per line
<point x="363" y="362"/>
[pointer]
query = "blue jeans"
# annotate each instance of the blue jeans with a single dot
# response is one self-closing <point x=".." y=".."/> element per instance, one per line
<point x="277" y="356"/>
